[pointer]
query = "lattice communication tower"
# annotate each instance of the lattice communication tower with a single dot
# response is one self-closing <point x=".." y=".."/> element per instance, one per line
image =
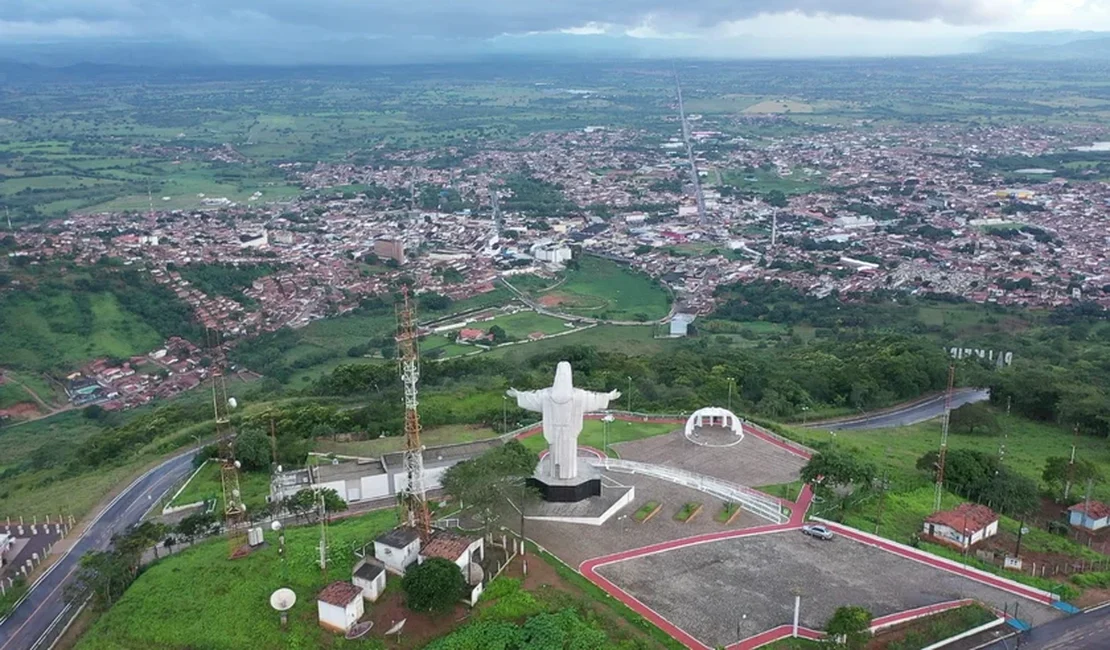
<point x="939" y="491"/>
<point x="414" y="505"/>
<point x="235" y="514"/>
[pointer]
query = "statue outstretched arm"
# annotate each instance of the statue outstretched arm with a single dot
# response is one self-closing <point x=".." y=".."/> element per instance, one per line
<point x="531" y="400"/>
<point x="598" y="401"/>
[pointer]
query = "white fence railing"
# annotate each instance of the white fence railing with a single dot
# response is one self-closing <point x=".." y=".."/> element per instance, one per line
<point x="747" y="498"/>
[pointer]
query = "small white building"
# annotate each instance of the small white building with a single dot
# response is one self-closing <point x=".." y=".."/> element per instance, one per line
<point x="962" y="527"/>
<point x="398" y="549"/>
<point x="7" y="543"/>
<point x="339" y="606"/>
<point x="454" y="547"/>
<point x="369" y="576"/>
<point x="1091" y="516"/>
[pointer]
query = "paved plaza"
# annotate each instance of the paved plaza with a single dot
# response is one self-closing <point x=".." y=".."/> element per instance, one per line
<point x="752" y="462"/>
<point x="575" y="543"/>
<point x="724" y="591"/>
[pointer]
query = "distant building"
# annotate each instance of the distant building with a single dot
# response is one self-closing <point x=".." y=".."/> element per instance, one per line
<point x="1091" y="516"/>
<point x="680" y="324"/>
<point x="390" y="249"/>
<point x="339" y="606"/>
<point x="470" y="335"/>
<point x="254" y="240"/>
<point x="398" y="549"/>
<point x="962" y="527"/>
<point x="551" y="252"/>
<point x="454" y="547"/>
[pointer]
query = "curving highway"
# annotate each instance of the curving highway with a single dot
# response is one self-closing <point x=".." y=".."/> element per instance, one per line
<point x="905" y="415"/>
<point x="44" y="606"/>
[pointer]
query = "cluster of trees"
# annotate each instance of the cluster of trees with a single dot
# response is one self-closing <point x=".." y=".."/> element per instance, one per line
<point x="536" y="198"/>
<point x="226" y="279"/>
<point x="982" y="478"/>
<point x="485" y="484"/>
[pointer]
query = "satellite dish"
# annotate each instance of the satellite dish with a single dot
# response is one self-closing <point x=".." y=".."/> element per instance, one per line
<point x="359" y="629"/>
<point x="283" y="599"/>
<point x="474" y="574"/>
<point x="232" y="402"/>
<point x="275" y="526"/>
<point x="397" y="627"/>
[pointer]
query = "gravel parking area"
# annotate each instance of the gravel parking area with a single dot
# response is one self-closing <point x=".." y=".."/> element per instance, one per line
<point x="752" y="462"/>
<point x="725" y="591"/>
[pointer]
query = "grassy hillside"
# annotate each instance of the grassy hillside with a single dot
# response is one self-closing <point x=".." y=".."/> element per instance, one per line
<point x="602" y="288"/>
<point x="45" y="330"/>
<point x="200" y="599"/>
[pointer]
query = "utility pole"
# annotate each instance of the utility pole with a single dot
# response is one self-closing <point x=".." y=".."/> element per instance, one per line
<point x="504" y="414"/>
<point x="1071" y="464"/>
<point x="939" y="491"/>
<point x="731" y="381"/>
<point x="630" y="394"/>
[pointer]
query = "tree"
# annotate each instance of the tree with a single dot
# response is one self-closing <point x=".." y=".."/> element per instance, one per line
<point x="849" y="626"/>
<point x="1058" y="470"/>
<point x="252" y="450"/>
<point x="483" y="484"/>
<point x="977" y="416"/>
<point x="498" y="334"/>
<point x="833" y="467"/>
<point x="433" y="586"/>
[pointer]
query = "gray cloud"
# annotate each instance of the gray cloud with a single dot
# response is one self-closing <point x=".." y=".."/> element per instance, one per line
<point x="263" y="19"/>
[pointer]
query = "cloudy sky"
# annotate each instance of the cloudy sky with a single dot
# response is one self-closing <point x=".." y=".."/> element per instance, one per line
<point x="697" y="27"/>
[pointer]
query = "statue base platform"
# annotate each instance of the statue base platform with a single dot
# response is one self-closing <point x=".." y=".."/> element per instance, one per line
<point x="557" y="490"/>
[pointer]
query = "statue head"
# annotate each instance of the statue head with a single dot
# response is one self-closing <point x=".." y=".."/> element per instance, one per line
<point x="562" y="391"/>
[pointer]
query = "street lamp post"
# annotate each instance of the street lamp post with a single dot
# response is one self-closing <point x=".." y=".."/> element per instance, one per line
<point x="630" y="395"/>
<point x="504" y="414"/>
<point x="197" y="438"/>
<point x="607" y="421"/>
<point x="731" y="381"/>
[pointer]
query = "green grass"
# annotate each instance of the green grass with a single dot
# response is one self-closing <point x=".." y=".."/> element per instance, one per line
<point x="593" y="434"/>
<point x="521" y="324"/>
<point x="254" y="486"/>
<point x="1028" y="445"/>
<point x="944" y="625"/>
<point x="765" y="182"/>
<point x="632" y="340"/>
<point x="434" y="437"/>
<point x="200" y="599"/>
<point x="14" y="593"/>
<point x="726" y="512"/>
<point x="646" y="510"/>
<point x="601" y="288"/>
<point x="687" y="511"/>
<point x="39" y="331"/>
<point x="788" y="491"/>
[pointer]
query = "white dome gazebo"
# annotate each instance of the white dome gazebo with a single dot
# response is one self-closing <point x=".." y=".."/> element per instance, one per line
<point x="714" y="426"/>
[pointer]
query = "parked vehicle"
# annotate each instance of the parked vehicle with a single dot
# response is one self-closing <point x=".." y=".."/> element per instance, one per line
<point x="820" y="532"/>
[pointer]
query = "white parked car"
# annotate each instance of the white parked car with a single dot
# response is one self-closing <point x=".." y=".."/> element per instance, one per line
<point x="820" y="532"/>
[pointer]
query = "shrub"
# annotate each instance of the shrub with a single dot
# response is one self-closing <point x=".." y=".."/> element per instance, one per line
<point x="433" y="586"/>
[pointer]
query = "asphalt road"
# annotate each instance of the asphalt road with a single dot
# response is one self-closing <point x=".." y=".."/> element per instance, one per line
<point x="1087" y="631"/>
<point x="907" y="415"/>
<point x="45" y="602"/>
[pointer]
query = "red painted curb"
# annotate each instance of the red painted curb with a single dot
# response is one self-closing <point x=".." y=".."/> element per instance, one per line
<point x="945" y="565"/>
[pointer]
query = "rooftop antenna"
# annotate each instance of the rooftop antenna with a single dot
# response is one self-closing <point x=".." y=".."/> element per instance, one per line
<point x="944" y="438"/>
<point x="414" y="505"/>
<point x="1071" y="464"/>
<point x="234" y="510"/>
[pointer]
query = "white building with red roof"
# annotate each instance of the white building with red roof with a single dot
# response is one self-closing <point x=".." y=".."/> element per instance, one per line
<point x="339" y="606"/>
<point x="1089" y="515"/>
<point x="962" y="527"/>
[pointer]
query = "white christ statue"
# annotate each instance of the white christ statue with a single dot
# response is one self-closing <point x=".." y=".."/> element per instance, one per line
<point x="562" y="406"/>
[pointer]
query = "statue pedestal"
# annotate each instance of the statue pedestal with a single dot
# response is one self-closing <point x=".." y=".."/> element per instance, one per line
<point x="558" y="490"/>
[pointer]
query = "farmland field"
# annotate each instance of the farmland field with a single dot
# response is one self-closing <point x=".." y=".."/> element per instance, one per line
<point x="604" y="289"/>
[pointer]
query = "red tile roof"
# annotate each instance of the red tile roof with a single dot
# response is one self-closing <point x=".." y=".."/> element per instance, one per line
<point x="1094" y="509"/>
<point x="966" y="518"/>
<point x="339" y="594"/>
<point x="448" y="546"/>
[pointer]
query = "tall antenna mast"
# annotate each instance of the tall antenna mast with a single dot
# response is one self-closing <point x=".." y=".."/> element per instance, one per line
<point x="234" y="511"/>
<point x="498" y="226"/>
<point x="414" y="506"/>
<point x="774" y="228"/>
<point x="944" y="438"/>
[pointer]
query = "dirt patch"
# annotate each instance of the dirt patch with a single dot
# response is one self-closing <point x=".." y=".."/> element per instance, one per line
<point x="23" y="410"/>
<point x="552" y="300"/>
<point x="1092" y="597"/>
<point x="419" y="629"/>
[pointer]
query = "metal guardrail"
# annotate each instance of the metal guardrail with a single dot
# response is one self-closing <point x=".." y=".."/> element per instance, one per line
<point x="748" y="499"/>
